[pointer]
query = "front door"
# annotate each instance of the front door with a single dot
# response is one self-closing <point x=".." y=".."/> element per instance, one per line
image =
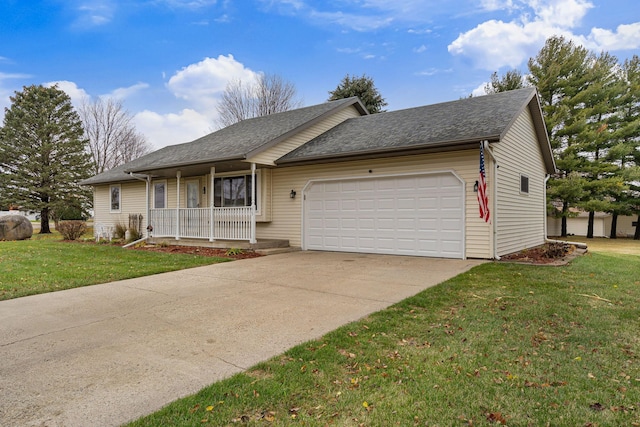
<point x="193" y="194"/>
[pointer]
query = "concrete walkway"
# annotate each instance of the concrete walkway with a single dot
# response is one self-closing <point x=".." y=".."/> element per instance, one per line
<point x="108" y="354"/>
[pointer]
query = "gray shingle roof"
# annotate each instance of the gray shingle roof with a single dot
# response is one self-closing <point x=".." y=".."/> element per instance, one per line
<point x="234" y="142"/>
<point x="471" y="119"/>
<point x="449" y="124"/>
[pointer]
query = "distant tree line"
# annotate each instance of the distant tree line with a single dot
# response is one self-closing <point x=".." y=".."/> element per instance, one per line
<point x="591" y="106"/>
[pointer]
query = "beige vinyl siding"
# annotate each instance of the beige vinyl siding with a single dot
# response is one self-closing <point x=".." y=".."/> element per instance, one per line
<point x="269" y="156"/>
<point x="132" y="201"/>
<point x="519" y="217"/>
<point x="287" y="213"/>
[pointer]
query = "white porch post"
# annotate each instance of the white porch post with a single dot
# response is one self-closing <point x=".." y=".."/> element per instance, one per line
<point x="178" y="175"/>
<point x="148" y="182"/>
<point x="253" y="204"/>
<point x="211" y="198"/>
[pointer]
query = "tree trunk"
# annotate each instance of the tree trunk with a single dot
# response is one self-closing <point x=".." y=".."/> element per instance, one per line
<point x="592" y="215"/>
<point x="636" y="235"/>
<point x="563" y="231"/>
<point x="614" y="226"/>
<point x="44" y="221"/>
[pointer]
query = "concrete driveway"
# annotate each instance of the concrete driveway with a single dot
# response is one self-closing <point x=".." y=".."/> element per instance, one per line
<point x="108" y="354"/>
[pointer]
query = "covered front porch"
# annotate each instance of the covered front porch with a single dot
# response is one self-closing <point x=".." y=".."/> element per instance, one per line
<point x="203" y="204"/>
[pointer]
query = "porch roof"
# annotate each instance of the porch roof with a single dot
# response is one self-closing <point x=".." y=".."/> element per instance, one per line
<point x="227" y="147"/>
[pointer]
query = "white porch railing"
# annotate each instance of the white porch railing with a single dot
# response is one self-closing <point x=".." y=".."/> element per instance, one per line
<point x="229" y="223"/>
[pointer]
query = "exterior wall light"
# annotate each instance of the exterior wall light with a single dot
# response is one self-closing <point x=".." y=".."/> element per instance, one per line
<point x="292" y="194"/>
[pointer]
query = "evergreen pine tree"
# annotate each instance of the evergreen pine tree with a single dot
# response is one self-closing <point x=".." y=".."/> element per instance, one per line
<point x="362" y="87"/>
<point x="43" y="154"/>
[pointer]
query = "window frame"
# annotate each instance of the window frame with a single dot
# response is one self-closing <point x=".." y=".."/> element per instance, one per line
<point x="118" y="209"/>
<point x="166" y="195"/>
<point x="524" y="182"/>
<point x="247" y="176"/>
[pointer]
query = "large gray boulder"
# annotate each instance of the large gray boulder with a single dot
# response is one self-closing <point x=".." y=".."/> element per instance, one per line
<point x="15" y="227"/>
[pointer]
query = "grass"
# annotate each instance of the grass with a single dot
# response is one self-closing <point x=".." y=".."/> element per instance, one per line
<point x="503" y="344"/>
<point x="46" y="264"/>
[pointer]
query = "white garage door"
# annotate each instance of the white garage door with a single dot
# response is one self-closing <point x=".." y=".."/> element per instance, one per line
<point x="404" y="215"/>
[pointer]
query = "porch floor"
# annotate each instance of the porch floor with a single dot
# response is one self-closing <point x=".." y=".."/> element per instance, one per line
<point x="261" y="244"/>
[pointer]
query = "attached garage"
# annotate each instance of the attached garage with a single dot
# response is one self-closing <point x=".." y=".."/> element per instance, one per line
<point x="419" y="215"/>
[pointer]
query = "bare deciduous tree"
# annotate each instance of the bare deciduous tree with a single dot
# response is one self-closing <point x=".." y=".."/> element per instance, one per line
<point x="269" y="94"/>
<point x="113" y="139"/>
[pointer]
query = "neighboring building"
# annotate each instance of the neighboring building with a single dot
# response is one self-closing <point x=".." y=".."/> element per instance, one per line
<point x="578" y="225"/>
<point x="331" y="177"/>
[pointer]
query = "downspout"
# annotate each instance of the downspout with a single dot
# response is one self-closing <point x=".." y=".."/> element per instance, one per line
<point x="147" y="180"/>
<point x="494" y="203"/>
<point x="544" y="192"/>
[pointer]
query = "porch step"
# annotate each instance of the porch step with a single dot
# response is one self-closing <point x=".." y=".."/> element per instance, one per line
<point x="261" y="244"/>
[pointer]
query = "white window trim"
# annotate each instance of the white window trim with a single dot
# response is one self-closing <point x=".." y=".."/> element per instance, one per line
<point x="166" y="193"/>
<point x="524" y="193"/>
<point x="244" y="173"/>
<point x="119" y="187"/>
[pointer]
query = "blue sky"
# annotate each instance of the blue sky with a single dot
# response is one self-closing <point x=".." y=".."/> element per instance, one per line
<point x="168" y="61"/>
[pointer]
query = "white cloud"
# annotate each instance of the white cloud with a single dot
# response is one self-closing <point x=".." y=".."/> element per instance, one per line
<point x="495" y="43"/>
<point x="420" y="49"/>
<point x="175" y="128"/>
<point x="354" y="21"/>
<point x="201" y="86"/>
<point x="479" y="91"/>
<point x="203" y="83"/>
<point x="126" y="92"/>
<point x="5" y="93"/>
<point x="76" y="94"/>
<point x="433" y="71"/>
<point x="362" y="15"/>
<point x="625" y="37"/>
<point x="189" y="4"/>
<point x="94" y="13"/>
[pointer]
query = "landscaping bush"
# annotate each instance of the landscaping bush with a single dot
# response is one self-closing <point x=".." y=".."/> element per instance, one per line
<point x="119" y="230"/>
<point x="72" y="230"/>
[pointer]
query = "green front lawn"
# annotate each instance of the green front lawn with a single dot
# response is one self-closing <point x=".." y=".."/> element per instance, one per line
<point x="46" y="264"/>
<point x="504" y="344"/>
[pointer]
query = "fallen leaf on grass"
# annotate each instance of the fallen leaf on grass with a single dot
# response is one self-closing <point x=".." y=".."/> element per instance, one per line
<point x="496" y="417"/>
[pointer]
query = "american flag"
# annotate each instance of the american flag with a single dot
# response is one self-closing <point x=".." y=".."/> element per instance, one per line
<point x="483" y="201"/>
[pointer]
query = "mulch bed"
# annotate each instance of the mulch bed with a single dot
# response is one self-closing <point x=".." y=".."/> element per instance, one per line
<point x="547" y="254"/>
<point x="197" y="250"/>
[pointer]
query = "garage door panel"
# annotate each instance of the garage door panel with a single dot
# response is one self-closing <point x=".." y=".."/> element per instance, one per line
<point x="411" y="215"/>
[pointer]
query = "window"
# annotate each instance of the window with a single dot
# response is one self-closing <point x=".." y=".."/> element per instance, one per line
<point x="114" y="192"/>
<point x="232" y="191"/>
<point x="524" y="184"/>
<point x="193" y="194"/>
<point x="160" y="195"/>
